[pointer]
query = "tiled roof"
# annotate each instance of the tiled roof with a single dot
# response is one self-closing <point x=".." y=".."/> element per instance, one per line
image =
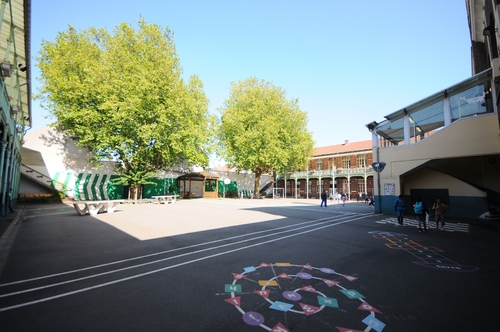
<point x="343" y="148"/>
<point x="224" y="168"/>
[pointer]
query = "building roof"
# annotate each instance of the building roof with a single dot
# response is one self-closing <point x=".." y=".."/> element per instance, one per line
<point x="470" y="97"/>
<point x="223" y="168"/>
<point x="347" y="147"/>
<point x="199" y="176"/>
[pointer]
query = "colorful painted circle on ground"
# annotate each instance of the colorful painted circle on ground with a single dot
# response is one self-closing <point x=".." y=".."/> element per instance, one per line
<point x="284" y="296"/>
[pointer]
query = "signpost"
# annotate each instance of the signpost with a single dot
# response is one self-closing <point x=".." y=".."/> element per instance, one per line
<point x="378" y="167"/>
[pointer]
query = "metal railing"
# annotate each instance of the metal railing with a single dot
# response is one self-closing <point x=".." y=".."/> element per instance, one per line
<point x="42" y="179"/>
<point x="338" y="172"/>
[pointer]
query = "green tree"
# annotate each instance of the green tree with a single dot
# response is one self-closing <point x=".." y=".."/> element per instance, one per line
<point x="262" y="131"/>
<point x="121" y="96"/>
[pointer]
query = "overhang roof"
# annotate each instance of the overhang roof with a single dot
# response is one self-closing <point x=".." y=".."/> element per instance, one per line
<point x="15" y="37"/>
<point x="477" y="19"/>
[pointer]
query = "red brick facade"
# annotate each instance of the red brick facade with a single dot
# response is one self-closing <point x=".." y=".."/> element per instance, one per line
<point x="344" y="168"/>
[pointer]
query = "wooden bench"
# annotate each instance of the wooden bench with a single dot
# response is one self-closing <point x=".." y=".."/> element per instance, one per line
<point x="95" y="207"/>
<point x="165" y="199"/>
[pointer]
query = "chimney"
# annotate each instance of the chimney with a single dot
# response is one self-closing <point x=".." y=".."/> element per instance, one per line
<point x="346" y="142"/>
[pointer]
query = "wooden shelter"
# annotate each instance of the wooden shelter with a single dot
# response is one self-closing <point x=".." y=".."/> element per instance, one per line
<point x="199" y="185"/>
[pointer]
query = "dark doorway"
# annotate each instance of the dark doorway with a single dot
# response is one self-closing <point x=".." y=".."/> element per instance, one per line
<point x="429" y="196"/>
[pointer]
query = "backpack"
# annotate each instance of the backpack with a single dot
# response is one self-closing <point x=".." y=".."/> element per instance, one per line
<point x="418" y="208"/>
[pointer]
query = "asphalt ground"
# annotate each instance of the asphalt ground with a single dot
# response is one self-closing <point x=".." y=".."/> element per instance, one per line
<point x="245" y="265"/>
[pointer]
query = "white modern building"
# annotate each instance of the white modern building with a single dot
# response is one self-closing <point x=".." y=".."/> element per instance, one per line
<point x="448" y="145"/>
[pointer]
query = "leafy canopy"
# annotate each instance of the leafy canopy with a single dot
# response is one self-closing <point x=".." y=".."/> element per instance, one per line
<point x="262" y="131"/>
<point x="121" y="96"/>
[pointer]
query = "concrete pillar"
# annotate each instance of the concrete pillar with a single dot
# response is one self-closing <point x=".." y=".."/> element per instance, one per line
<point x="406" y="129"/>
<point x="447" y="111"/>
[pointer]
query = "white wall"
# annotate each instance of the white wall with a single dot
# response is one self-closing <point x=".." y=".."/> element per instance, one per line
<point x="431" y="179"/>
<point x="245" y="181"/>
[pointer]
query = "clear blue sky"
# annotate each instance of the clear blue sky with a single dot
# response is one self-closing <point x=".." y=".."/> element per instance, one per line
<point x="348" y="62"/>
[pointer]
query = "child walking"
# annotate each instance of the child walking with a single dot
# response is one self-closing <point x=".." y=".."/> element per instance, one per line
<point x="421" y="211"/>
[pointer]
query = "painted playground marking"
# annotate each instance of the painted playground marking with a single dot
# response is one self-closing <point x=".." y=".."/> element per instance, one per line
<point x="427" y="256"/>
<point x="448" y="227"/>
<point x="299" y="290"/>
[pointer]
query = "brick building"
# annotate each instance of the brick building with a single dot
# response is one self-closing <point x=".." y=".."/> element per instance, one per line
<point x="342" y="168"/>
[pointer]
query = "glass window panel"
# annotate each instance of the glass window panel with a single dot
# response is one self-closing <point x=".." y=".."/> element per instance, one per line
<point x="392" y="131"/>
<point x="476" y="100"/>
<point x="426" y="121"/>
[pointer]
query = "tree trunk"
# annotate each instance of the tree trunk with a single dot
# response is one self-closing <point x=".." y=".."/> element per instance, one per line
<point x="135" y="192"/>
<point x="256" y="185"/>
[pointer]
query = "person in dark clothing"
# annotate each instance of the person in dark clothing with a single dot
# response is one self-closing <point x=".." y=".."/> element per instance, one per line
<point x="323" y="198"/>
<point x="399" y="207"/>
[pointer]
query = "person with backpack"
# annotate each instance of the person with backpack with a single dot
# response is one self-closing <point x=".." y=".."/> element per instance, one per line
<point x="399" y="207"/>
<point x="420" y="210"/>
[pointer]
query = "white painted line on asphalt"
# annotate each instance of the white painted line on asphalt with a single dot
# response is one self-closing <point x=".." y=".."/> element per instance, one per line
<point x="154" y="262"/>
<point x="167" y="251"/>
<point x="183" y="263"/>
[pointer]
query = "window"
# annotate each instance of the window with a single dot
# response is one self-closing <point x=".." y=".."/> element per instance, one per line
<point x="346" y="162"/>
<point x="319" y="164"/>
<point x="210" y="185"/>
<point x="361" y="160"/>
<point x="426" y="121"/>
<point x="361" y="186"/>
<point x="476" y="100"/>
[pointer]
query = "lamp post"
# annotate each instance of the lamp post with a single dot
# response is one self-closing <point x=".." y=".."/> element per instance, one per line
<point x="377" y="166"/>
